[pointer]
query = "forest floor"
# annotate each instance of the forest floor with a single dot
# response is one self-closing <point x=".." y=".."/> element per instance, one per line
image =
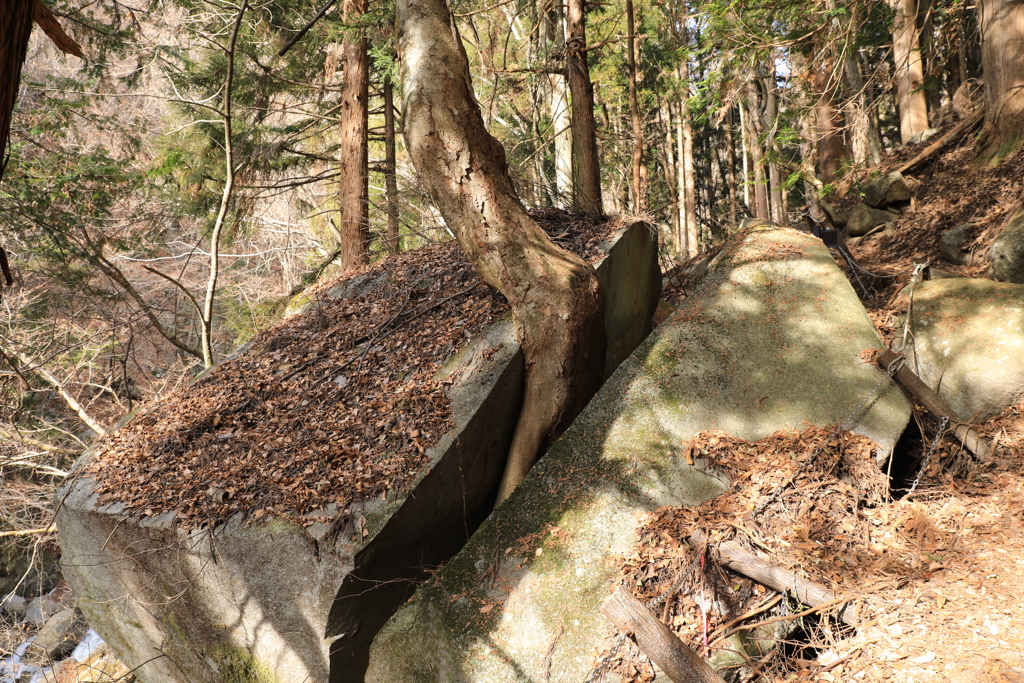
<point x="934" y="575"/>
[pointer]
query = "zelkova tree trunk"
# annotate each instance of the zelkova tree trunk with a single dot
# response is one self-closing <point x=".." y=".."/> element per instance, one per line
<point x="15" y="27"/>
<point x="556" y="298"/>
<point x="1002" y="57"/>
<point x="906" y="52"/>
<point x="353" y="173"/>
<point x="586" y="171"/>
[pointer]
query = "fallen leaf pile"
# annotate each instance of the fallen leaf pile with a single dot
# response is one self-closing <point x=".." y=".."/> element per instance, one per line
<point x="333" y="406"/>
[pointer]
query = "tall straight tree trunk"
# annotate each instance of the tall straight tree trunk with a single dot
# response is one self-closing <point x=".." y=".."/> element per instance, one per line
<point x="760" y="189"/>
<point x="832" y="151"/>
<point x="745" y="148"/>
<point x="730" y="147"/>
<point x="552" y="36"/>
<point x="586" y="177"/>
<point x="15" y="27"/>
<point x="861" y="117"/>
<point x="771" y="113"/>
<point x="353" y="174"/>
<point x="689" y="243"/>
<point x="1002" y="57"/>
<point x="556" y="298"/>
<point x="390" y="171"/>
<point x="667" y="121"/>
<point x="906" y="51"/>
<point x="639" y="175"/>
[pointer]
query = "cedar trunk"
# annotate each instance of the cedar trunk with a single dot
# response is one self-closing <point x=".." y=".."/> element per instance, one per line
<point x="1002" y="57"/>
<point x="390" y="176"/>
<point x="353" y="180"/>
<point x="906" y="52"/>
<point x="586" y="180"/>
<point x="15" y="27"/>
<point x="639" y="175"/>
<point x="832" y="150"/>
<point x="556" y="298"/>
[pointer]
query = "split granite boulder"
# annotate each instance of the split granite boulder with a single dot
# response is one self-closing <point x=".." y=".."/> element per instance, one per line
<point x="771" y="339"/>
<point x="266" y="601"/>
<point x="968" y="343"/>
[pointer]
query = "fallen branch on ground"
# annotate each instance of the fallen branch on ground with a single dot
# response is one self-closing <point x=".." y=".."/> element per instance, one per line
<point x="735" y="557"/>
<point x="913" y="385"/>
<point x="675" y="658"/>
<point x="959" y="128"/>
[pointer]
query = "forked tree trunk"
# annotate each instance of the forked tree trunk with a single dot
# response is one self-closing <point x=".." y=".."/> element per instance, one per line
<point x="586" y="178"/>
<point x="353" y="180"/>
<point x="760" y="187"/>
<point x="556" y="298"/>
<point x="1002" y="57"/>
<point x="906" y="52"/>
<point x="15" y="27"/>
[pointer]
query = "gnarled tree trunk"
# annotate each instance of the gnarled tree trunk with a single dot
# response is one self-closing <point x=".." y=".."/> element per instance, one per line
<point x="556" y="298"/>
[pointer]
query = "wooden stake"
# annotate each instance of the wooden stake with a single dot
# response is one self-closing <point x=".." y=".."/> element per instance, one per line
<point x="675" y="658"/>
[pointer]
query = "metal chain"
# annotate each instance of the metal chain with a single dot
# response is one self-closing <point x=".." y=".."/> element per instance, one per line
<point x="890" y="370"/>
<point x="928" y="456"/>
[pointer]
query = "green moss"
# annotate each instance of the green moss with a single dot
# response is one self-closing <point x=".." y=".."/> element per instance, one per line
<point x="236" y="665"/>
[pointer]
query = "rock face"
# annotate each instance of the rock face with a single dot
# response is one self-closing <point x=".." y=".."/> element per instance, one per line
<point x="1006" y="256"/>
<point x="887" y="190"/>
<point x="969" y="343"/>
<point x="952" y="244"/>
<point x="771" y="339"/>
<point x="863" y="218"/>
<point x="276" y="602"/>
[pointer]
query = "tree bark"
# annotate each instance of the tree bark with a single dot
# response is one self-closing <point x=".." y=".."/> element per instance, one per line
<point x="15" y="27"/>
<point x="690" y="243"/>
<point x="639" y="177"/>
<point x="1002" y="57"/>
<point x="353" y="174"/>
<point x="390" y="171"/>
<point x="731" y="162"/>
<point x="586" y="179"/>
<point x="771" y="113"/>
<point x="760" y="187"/>
<point x="556" y="298"/>
<point x="906" y="50"/>
<point x="832" y="150"/>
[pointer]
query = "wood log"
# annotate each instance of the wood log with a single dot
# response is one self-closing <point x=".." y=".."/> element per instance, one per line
<point x="675" y="658"/>
<point x="931" y="149"/>
<point x="915" y="386"/>
<point x="737" y="558"/>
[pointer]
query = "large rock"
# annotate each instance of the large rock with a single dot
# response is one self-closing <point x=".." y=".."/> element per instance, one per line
<point x="968" y="343"/>
<point x="887" y="190"/>
<point x="771" y="339"/>
<point x="1006" y="256"/>
<point x="278" y="602"/>
<point x="953" y="243"/>
<point x="863" y="218"/>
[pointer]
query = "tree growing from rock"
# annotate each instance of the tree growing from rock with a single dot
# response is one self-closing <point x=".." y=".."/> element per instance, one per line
<point x="557" y="302"/>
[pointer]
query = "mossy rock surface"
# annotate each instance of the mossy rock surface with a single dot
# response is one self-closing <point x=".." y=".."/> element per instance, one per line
<point x="770" y="340"/>
<point x="968" y="343"/>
